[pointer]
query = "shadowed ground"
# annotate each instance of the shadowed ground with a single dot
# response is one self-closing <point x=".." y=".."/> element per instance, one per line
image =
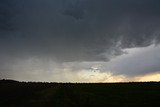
<point x="32" y="94"/>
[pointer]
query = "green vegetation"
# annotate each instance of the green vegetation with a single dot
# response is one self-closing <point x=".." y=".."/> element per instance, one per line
<point x="32" y="94"/>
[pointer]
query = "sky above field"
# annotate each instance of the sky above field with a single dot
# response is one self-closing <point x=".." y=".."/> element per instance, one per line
<point x="80" y="40"/>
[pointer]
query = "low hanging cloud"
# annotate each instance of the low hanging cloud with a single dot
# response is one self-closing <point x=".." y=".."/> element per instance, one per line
<point x="52" y="28"/>
<point x="77" y="31"/>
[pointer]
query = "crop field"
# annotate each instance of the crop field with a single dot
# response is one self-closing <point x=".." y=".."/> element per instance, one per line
<point x="38" y="94"/>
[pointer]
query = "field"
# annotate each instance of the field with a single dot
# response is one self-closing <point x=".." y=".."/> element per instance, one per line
<point x="32" y="94"/>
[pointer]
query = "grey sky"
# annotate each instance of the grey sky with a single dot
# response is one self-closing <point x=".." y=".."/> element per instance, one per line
<point x="77" y="31"/>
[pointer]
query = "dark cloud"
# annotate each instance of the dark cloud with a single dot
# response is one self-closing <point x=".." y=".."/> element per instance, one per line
<point x="75" y="10"/>
<point x="76" y="30"/>
<point x="5" y="15"/>
<point x="48" y="28"/>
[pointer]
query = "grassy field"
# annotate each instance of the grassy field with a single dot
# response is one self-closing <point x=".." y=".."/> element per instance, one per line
<point x="32" y="94"/>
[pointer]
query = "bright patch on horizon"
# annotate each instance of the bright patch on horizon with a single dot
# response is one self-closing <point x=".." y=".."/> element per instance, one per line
<point x="149" y="77"/>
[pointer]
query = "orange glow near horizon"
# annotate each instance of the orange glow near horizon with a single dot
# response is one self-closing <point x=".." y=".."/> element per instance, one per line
<point x="149" y="77"/>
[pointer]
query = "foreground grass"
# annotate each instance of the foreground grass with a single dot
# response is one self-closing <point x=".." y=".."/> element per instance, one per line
<point x="23" y="94"/>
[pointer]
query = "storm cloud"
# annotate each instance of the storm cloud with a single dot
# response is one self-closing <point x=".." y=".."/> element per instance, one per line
<point x="75" y="30"/>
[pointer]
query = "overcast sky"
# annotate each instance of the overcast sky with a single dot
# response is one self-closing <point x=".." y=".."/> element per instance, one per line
<point x="80" y="40"/>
